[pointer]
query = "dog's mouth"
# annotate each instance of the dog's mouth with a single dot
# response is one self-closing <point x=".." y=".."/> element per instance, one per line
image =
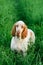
<point x="18" y="34"/>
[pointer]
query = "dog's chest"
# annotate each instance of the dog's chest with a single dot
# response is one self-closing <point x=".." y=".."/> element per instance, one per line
<point x="20" y="44"/>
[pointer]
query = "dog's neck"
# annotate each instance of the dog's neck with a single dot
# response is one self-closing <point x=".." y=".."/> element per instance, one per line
<point x="18" y="40"/>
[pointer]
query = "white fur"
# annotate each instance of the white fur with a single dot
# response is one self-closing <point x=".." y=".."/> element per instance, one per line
<point x="22" y="44"/>
<point x="20" y="22"/>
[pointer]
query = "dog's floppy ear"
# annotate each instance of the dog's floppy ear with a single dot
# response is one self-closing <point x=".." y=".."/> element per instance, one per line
<point x="24" y="33"/>
<point x="13" y="30"/>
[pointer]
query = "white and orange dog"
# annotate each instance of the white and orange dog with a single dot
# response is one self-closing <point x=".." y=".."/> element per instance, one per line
<point x="22" y="37"/>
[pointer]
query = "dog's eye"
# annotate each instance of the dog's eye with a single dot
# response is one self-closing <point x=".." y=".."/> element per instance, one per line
<point x="21" y="26"/>
<point x="16" y="25"/>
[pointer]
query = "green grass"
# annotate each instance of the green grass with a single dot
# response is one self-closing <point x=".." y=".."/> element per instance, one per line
<point x="31" y="12"/>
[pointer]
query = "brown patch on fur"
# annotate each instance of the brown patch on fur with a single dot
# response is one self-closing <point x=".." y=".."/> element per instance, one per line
<point x="24" y="33"/>
<point x="13" y="30"/>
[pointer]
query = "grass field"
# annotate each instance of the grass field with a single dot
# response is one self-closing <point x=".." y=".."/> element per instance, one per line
<point x="31" y="12"/>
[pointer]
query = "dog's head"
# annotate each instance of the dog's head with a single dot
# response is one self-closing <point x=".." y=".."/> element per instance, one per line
<point x="19" y="29"/>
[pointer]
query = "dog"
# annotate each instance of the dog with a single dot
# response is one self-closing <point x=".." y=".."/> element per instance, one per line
<point x="21" y="37"/>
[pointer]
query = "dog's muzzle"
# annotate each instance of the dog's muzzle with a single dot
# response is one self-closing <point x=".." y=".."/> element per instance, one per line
<point x="18" y="34"/>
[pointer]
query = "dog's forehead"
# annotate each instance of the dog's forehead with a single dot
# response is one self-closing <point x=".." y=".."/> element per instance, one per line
<point x="20" y="23"/>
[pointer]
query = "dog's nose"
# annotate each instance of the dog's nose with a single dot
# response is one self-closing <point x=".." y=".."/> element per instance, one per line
<point x="18" y="32"/>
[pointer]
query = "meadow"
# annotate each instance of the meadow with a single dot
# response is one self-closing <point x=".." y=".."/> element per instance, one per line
<point x="31" y="12"/>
